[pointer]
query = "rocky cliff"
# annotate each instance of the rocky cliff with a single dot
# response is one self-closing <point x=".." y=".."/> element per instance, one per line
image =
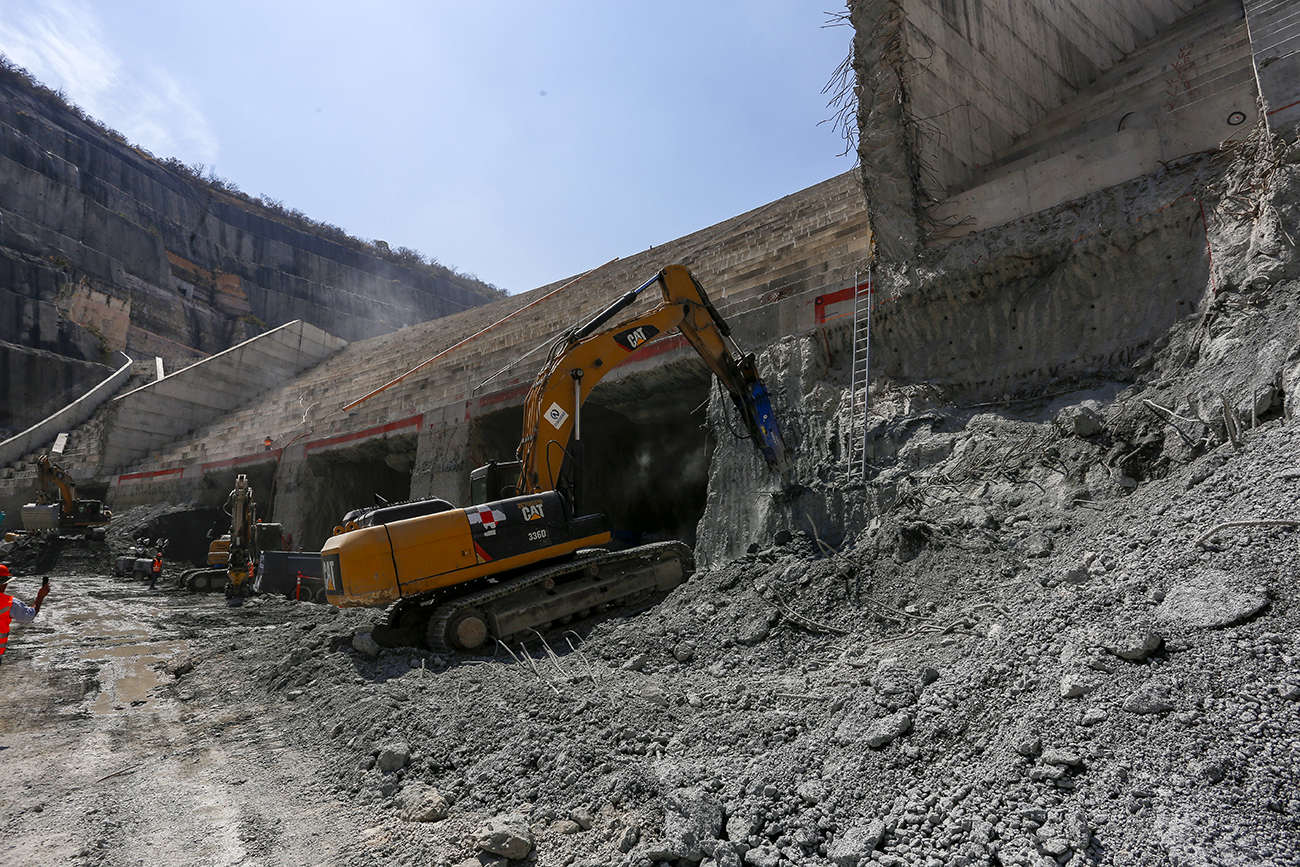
<point x="104" y="247"/>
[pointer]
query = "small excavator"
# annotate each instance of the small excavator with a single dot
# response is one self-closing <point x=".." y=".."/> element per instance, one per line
<point x="525" y="555"/>
<point x="62" y="513"/>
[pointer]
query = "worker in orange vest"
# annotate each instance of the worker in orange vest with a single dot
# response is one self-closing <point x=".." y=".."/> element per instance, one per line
<point x="14" y="610"/>
<point x="155" y="570"/>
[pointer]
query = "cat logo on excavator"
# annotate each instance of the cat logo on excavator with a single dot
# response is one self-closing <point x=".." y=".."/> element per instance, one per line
<point x="634" y="337"/>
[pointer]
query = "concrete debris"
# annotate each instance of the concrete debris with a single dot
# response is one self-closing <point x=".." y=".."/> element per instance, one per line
<point x="393" y="757"/>
<point x="421" y="803"/>
<point x="1137" y="645"/>
<point x="508" y="836"/>
<point x="1080" y="421"/>
<point x="887" y="729"/>
<point x="1150" y="698"/>
<point x="692" y="825"/>
<point x="1077" y="686"/>
<point x="857" y="844"/>
<point x="1209" y="602"/>
<point x="365" y="644"/>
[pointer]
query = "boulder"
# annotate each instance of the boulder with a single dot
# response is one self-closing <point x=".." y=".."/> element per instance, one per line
<point x="393" y="757"/>
<point x="887" y="729"/>
<point x="692" y="819"/>
<point x="1207" y="602"/>
<point x="508" y="836"/>
<point x="421" y="803"/>
<point x="365" y="644"/>
<point x="857" y="844"/>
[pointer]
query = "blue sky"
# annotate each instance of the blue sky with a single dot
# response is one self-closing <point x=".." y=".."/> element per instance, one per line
<point x="522" y="142"/>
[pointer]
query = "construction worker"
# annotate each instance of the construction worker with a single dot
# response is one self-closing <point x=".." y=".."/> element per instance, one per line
<point x="155" y="570"/>
<point x="13" y="610"/>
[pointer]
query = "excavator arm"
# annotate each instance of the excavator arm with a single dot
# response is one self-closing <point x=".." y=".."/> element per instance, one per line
<point x="64" y="512"/>
<point x="581" y="358"/>
<point x="52" y="475"/>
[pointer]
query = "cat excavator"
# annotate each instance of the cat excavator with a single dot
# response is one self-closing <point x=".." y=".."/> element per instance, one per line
<point x="525" y="555"/>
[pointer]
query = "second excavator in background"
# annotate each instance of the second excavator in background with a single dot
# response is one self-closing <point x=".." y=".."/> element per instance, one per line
<point x="57" y="509"/>
<point x="525" y="555"/>
<point x="233" y="555"/>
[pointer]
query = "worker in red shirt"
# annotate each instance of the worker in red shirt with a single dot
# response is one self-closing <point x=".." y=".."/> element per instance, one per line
<point x="14" y="610"/>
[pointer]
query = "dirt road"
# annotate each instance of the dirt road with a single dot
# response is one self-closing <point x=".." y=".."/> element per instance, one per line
<point x="111" y="759"/>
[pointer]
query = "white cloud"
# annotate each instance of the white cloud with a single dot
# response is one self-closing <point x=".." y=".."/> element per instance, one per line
<point x="61" y="43"/>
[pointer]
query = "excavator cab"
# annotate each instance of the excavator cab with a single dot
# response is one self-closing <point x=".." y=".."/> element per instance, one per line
<point x="496" y="480"/>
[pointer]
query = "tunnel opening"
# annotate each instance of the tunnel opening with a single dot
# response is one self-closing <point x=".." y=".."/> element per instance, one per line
<point x="219" y="483"/>
<point x="646" y="451"/>
<point x="339" y="480"/>
<point x="186" y="533"/>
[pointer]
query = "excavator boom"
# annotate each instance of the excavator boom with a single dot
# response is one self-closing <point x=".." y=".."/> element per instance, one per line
<point x="579" y="361"/>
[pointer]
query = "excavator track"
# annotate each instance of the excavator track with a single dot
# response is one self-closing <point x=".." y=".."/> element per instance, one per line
<point x="577" y="588"/>
<point x="202" y="580"/>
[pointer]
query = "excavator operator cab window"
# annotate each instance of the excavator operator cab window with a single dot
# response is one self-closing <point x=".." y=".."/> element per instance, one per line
<point x="496" y="481"/>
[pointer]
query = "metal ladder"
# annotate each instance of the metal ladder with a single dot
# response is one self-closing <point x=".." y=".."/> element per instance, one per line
<point x="860" y="377"/>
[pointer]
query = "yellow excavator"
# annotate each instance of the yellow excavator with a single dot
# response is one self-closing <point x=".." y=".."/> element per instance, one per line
<point x="525" y="555"/>
<point x="62" y="513"/>
<point x="249" y="537"/>
<point x="231" y="555"/>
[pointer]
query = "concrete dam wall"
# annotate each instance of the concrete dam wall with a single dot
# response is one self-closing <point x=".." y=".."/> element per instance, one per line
<point x="1075" y="289"/>
<point x="661" y="451"/>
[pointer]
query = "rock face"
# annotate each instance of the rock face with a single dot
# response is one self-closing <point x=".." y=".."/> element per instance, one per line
<point x="104" y="247"/>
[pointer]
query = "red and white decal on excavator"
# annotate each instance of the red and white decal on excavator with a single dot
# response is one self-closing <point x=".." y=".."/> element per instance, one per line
<point x="487" y="518"/>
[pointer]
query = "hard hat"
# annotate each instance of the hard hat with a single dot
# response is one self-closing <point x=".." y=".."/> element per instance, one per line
<point x="4" y="573"/>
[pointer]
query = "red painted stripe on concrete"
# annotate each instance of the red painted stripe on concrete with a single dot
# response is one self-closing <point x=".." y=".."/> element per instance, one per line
<point x="822" y="302"/>
<point x="149" y="476"/>
<point x="243" y="459"/>
<point x="414" y="421"/>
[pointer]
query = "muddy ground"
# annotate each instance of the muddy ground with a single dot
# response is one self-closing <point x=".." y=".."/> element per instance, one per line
<point x="1070" y="638"/>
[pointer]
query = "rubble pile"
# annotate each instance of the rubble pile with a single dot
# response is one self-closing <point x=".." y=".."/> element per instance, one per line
<point x="1070" y="638"/>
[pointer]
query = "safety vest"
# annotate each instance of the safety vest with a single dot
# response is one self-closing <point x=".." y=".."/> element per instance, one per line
<point x="157" y="565"/>
<point x="5" y="616"/>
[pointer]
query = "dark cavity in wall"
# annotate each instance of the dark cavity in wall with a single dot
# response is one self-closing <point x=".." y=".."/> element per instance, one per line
<point x="340" y="480"/>
<point x="646" y="452"/>
<point x="218" y="485"/>
<point x="188" y="534"/>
